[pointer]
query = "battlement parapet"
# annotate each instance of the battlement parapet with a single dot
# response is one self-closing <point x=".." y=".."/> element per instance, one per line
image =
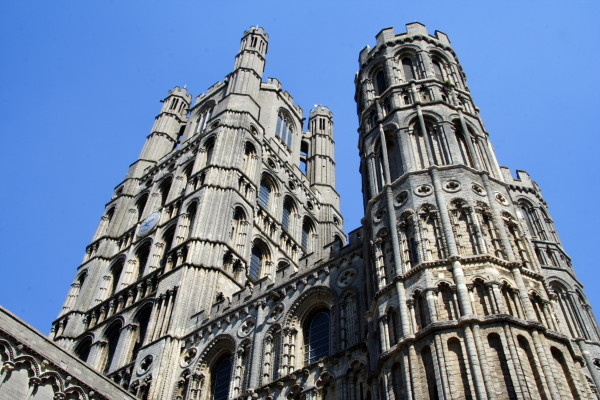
<point x="414" y="30"/>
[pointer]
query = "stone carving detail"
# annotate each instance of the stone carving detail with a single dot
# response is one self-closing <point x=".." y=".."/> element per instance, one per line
<point x="401" y="198"/>
<point x="452" y="186"/>
<point x="478" y="189"/>
<point x="346" y="277"/>
<point x="423" y="190"/>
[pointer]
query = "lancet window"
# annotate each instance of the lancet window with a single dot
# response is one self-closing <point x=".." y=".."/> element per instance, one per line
<point x="466" y="157"/>
<point x="380" y="82"/>
<point x="284" y="129"/>
<point x="489" y="234"/>
<point x="317" y="336"/>
<point x="111" y="336"/>
<point x="432" y="241"/>
<point x="221" y="375"/>
<point x="462" y="225"/>
<point x="408" y="240"/>
<point x="259" y="260"/>
<point x="203" y="118"/>
<point x="408" y="68"/>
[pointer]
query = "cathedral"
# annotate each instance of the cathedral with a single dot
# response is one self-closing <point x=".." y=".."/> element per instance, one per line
<point x="220" y="268"/>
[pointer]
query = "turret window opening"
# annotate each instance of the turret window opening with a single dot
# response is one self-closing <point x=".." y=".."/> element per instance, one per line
<point x="394" y="156"/>
<point x="142" y="319"/>
<point x="304" y="155"/>
<point x="419" y="148"/>
<point x="437" y="69"/>
<point x="308" y="229"/>
<point x="112" y="338"/>
<point x="288" y="209"/>
<point x="239" y="228"/>
<point x="167" y="240"/>
<point x="82" y="351"/>
<point x="465" y="154"/>
<point x="142" y="255"/>
<point x="140" y="204"/>
<point x="437" y="142"/>
<point x="408" y="69"/>
<point x="192" y="210"/>
<point x="265" y="192"/>
<point x="249" y="159"/>
<point x="253" y="41"/>
<point x="258" y="260"/>
<point x="380" y="82"/>
<point x="209" y="148"/>
<point x="174" y="103"/>
<point x="284" y="129"/>
<point x="165" y="188"/>
<point x="203" y="118"/>
<point x="115" y="275"/>
<point x="221" y="378"/>
<point x="317" y="336"/>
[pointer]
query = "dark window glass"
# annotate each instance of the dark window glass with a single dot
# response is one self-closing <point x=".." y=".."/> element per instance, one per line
<point x="264" y="194"/>
<point x="221" y="379"/>
<point x="285" y="218"/>
<point x="409" y="71"/>
<point x="437" y="68"/>
<point x="380" y="82"/>
<point x="255" y="262"/>
<point x="316" y="337"/>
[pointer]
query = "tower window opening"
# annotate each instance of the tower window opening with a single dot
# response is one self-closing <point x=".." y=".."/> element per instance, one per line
<point x="82" y="351"/>
<point x="408" y="69"/>
<point x="304" y="156"/>
<point x="257" y="260"/>
<point x="112" y="339"/>
<point x="165" y="187"/>
<point x="380" y="82"/>
<point x="254" y="41"/>
<point x="264" y="193"/>
<point x="288" y="207"/>
<point x="221" y="379"/>
<point x="307" y="231"/>
<point x="179" y="137"/>
<point x="284" y="130"/>
<point x="437" y="69"/>
<point x="141" y="204"/>
<point x="203" y="118"/>
<point x="317" y="337"/>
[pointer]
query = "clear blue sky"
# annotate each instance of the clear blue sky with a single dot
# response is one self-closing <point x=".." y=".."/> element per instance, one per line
<point x="80" y="83"/>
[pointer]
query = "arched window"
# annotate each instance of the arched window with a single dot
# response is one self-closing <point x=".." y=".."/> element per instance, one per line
<point x="317" y="336"/>
<point x="209" y="147"/>
<point x="437" y="69"/>
<point x="284" y="129"/>
<point x="394" y="156"/>
<point x="142" y="254"/>
<point x="264" y="193"/>
<point x="140" y="204"/>
<point x="82" y="351"/>
<point x="249" y="159"/>
<point x="380" y="82"/>
<point x="417" y="137"/>
<point x="221" y="378"/>
<point x="192" y="210"/>
<point x="308" y="229"/>
<point x="465" y="154"/>
<point x="142" y="319"/>
<point x="409" y="69"/>
<point x="288" y="209"/>
<point x="112" y="340"/>
<point x="258" y="260"/>
<point x="164" y="189"/>
<point x="203" y="118"/>
<point x="239" y="231"/>
<point x="115" y="275"/>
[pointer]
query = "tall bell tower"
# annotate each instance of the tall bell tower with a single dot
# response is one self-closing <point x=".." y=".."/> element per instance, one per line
<point x="472" y="293"/>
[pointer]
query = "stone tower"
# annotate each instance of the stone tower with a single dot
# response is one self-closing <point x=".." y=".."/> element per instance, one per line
<point x="472" y="295"/>
<point x="220" y="268"/>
